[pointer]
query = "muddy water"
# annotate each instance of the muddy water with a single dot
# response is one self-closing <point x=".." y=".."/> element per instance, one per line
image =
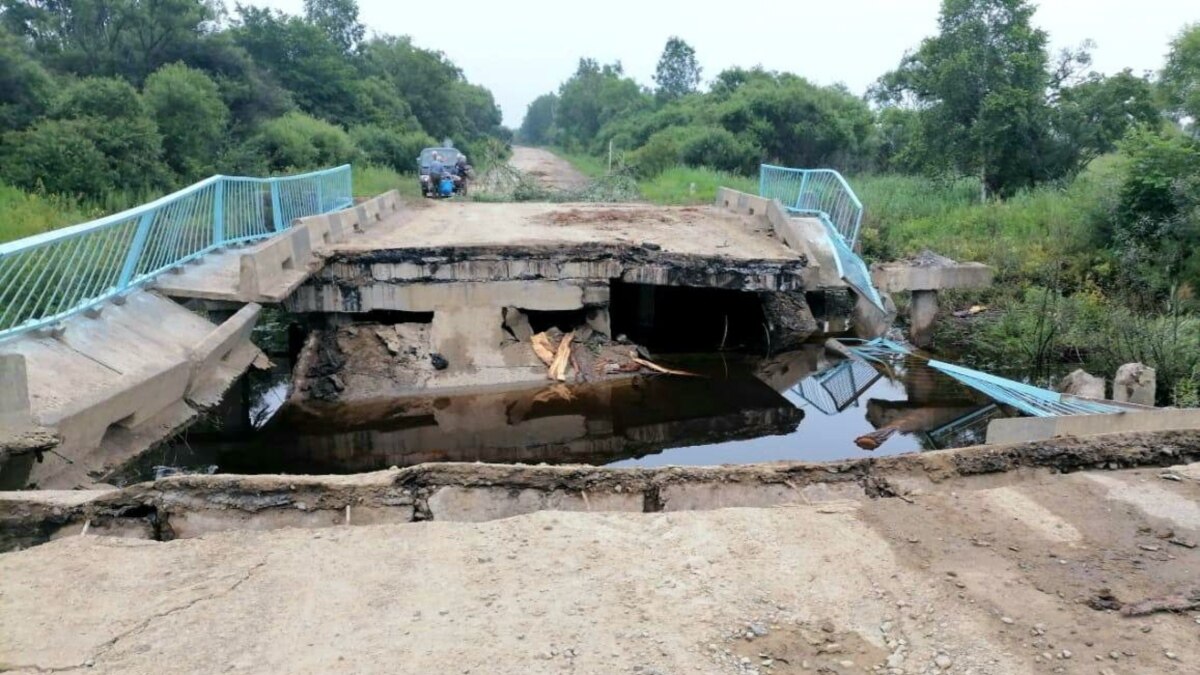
<point x="737" y="410"/>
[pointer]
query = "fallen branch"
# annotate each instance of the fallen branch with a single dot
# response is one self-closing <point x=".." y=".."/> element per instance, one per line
<point x="541" y="347"/>
<point x="558" y="367"/>
<point x="660" y="369"/>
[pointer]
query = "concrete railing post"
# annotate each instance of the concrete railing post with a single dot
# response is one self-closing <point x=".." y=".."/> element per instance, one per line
<point x="14" y="395"/>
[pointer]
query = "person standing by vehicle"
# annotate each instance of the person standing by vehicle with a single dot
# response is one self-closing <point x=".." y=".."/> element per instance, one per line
<point x="436" y="168"/>
<point x="463" y="171"/>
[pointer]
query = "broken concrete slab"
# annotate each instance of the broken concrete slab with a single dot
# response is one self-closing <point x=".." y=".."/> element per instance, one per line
<point x="1134" y="383"/>
<point x="133" y="370"/>
<point x="930" y="272"/>
<point x="202" y="504"/>
<point x="1083" y="384"/>
<point x="1026" y="429"/>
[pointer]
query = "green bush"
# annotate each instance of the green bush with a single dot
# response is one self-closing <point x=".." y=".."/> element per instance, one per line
<point x="297" y="142"/>
<point x="386" y="147"/>
<point x="56" y="156"/>
<point x="717" y="148"/>
<point x="191" y="116"/>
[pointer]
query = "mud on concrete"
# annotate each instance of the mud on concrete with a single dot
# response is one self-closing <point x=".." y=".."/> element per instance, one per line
<point x="189" y="506"/>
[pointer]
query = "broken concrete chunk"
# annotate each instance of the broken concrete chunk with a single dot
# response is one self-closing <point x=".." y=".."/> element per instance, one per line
<point x="598" y="320"/>
<point x="390" y="339"/>
<point x="1134" y="383"/>
<point x="1081" y="383"/>
<point x="517" y="323"/>
<point x="789" y="320"/>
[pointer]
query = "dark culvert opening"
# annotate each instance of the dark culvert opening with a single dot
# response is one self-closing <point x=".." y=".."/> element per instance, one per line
<point x="564" y="320"/>
<point x="685" y="319"/>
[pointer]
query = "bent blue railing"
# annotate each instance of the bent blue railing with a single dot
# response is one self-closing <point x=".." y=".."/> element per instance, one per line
<point x="49" y="277"/>
<point x="825" y="195"/>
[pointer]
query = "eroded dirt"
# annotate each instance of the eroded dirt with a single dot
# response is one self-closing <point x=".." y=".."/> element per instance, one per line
<point x="547" y="168"/>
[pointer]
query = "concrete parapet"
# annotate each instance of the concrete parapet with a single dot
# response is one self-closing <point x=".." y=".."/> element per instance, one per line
<point x="1030" y="429"/>
<point x="273" y="270"/>
<point x="133" y="399"/>
<point x="222" y="356"/>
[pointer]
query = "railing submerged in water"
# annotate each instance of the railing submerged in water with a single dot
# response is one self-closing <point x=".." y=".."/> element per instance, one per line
<point x="49" y="277"/>
<point x="817" y="192"/>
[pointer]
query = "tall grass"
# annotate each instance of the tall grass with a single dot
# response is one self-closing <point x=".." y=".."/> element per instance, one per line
<point x="1038" y="235"/>
<point x="24" y="215"/>
<point x="370" y="181"/>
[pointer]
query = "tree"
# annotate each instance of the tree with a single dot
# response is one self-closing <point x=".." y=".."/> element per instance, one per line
<point x="678" y="73"/>
<point x="1180" y="77"/>
<point x="1091" y="117"/>
<point x="304" y="59"/>
<point x="594" y="96"/>
<point x="797" y="123"/>
<point x="537" y="126"/>
<point x="25" y="87"/>
<point x="426" y="80"/>
<point x="339" y="20"/>
<point x="191" y="116"/>
<point x="57" y="156"/>
<point x="980" y="88"/>
<point x="127" y="38"/>
<point x="111" y="114"/>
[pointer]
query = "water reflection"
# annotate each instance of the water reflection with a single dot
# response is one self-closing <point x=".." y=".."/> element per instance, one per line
<point x="797" y="406"/>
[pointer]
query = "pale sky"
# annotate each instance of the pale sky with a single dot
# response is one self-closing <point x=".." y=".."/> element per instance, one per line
<point x="520" y="49"/>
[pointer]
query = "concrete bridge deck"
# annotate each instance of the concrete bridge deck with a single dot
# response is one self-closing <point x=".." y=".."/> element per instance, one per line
<point x="715" y="232"/>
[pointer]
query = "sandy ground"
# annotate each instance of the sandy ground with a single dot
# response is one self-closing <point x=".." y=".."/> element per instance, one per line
<point x="701" y="230"/>
<point x="978" y="576"/>
<point x="547" y="168"/>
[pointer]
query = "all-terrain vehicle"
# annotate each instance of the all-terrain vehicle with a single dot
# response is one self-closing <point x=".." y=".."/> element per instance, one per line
<point x="448" y="182"/>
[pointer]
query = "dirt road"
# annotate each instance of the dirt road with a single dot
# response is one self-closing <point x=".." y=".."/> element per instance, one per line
<point x="987" y="575"/>
<point x="547" y="168"/>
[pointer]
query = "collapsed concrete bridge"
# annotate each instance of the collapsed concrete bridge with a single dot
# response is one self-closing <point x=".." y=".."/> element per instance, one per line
<point x="447" y="294"/>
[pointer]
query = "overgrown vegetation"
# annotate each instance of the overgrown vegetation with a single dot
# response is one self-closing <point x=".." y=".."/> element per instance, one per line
<point x="98" y="98"/>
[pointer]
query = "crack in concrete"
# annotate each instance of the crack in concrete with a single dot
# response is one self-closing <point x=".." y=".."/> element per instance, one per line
<point x="145" y="623"/>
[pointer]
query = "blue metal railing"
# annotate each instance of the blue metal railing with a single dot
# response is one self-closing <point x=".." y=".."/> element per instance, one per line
<point x="51" y="276"/>
<point x="817" y="192"/>
<point x="823" y="194"/>
<point x="1031" y="400"/>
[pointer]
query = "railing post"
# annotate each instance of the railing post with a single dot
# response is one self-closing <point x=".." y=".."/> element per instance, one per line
<point x="219" y="213"/>
<point x="276" y="207"/>
<point x="135" y="249"/>
<point x="800" y="193"/>
<point x="320" y="194"/>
